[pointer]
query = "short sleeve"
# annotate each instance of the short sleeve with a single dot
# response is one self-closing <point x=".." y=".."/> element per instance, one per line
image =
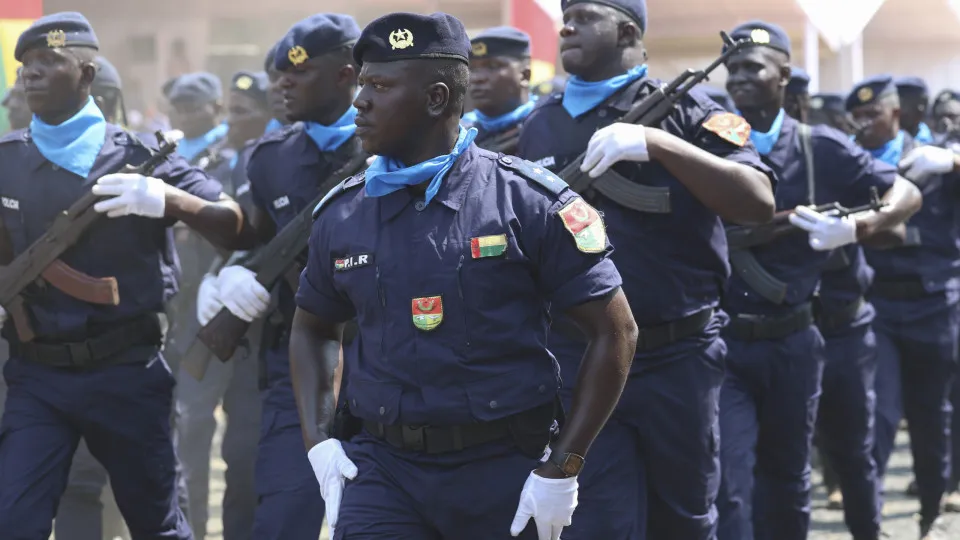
<point x="574" y="257"/>
<point x="857" y="171"/>
<point x="317" y="294"/>
<point x="255" y="175"/>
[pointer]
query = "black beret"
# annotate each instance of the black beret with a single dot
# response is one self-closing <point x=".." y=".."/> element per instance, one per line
<point x="200" y="86"/>
<point x="268" y="61"/>
<point x="636" y="9"/>
<point x="912" y="85"/>
<point x="107" y="75"/>
<point x="314" y="36"/>
<point x="763" y="34"/>
<point x="500" y="41"/>
<point x="405" y="36"/>
<point x="945" y="96"/>
<point x="799" y="81"/>
<point x="251" y="83"/>
<point x="870" y="90"/>
<point x="65" y="29"/>
<point x="828" y="101"/>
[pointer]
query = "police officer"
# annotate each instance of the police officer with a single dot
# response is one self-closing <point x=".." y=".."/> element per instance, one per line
<point x="656" y="469"/>
<point x="830" y="109"/>
<point x="449" y="264"/>
<point x="15" y="102"/>
<point x="946" y="113"/>
<point x="233" y="383"/>
<point x="915" y="294"/>
<point x="93" y="371"/>
<point x="500" y="86"/>
<point x="769" y="399"/>
<point x="196" y="105"/>
<point x="796" y="96"/>
<point x="914" y="104"/>
<point x="318" y="80"/>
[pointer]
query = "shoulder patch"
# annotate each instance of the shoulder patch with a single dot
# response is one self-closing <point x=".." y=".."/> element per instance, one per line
<point x="539" y="175"/>
<point x="586" y="226"/>
<point x="341" y="188"/>
<point x="729" y="127"/>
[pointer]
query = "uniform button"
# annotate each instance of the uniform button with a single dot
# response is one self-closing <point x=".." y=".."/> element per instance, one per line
<point x="542" y="389"/>
<point x="382" y="411"/>
<point x="56" y="167"/>
<point x="420" y="205"/>
<point x="506" y="160"/>
<point x="493" y="404"/>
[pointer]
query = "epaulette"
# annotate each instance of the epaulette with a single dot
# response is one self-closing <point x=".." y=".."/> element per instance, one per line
<point x="531" y="171"/>
<point x="18" y="135"/>
<point x="341" y="188"/>
<point x="281" y="134"/>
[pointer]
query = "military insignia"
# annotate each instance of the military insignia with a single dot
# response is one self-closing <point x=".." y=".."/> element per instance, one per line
<point x="352" y="262"/>
<point x="56" y="38"/>
<point x="730" y="127"/>
<point x="865" y="94"/>
<point x="427" y="312"/>
<point x="816" y="103"/>
<point x="479" y="49"/>
<point x="243" y="82"/>
<point x="585" y="225"/>
<point x="759" y="35"/>
<point x="488" y="246"/>
<point x="401" y="39"/>
<point x="297" y="55"/>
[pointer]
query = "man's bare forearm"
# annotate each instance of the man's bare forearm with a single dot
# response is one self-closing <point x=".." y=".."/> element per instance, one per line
<point x="314" y="363"/>
<point x="222" y="222"/>
<point x="903" y="199"/>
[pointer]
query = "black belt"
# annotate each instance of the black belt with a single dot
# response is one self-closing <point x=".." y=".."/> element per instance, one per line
<point x="652" y="337"/>
<point x="899" y="290"/>
<point x="839" y="318"/>
<point x="99" y="351"/>
<point x="745" y="327"/>
<point x="443" y="439"/>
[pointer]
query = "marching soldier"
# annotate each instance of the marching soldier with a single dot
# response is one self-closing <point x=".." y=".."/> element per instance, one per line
<point x="914" y="104"/>
<point x="796" y="96"/>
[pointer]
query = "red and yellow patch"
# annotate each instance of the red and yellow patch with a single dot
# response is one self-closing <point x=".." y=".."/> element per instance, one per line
<point x="427" y="312"/>
<point x="730" y="127"/>
<point x="584" y="223"/>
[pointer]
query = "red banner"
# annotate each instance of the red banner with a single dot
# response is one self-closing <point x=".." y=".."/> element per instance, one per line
<point x="21" y="9"/>
<point x="531" y="17"/>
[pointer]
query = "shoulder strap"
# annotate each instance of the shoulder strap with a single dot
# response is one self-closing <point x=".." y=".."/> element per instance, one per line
<point x="806" y="146"/>
<point x="339" y="189"/>
<point x="539" y="175"/>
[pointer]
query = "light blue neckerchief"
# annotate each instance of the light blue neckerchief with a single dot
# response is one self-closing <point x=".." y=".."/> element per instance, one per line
<point x="329" y="138"/>
<point x="469" y="119"/>
<point x="386" y="175"/>
<point x="891" y="152"/>
<point x="74" y="144"/>
<point x="581" y="97"/>
<point x="191" y="148"/>
<point x="272" y="126"/>
<point x="504" y="121"/>
<point x="764" y="141"/>
<point x="924" y="135"/>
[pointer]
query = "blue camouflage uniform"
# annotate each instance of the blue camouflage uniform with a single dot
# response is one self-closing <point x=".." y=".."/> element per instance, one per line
<point x="286" y="170"/>
<point x="94" y="371"/>
<point x="916" y="292"/>
<point x="654" y="469"/>
<point x="768" y="404"/>
<point x="449" y="373"/>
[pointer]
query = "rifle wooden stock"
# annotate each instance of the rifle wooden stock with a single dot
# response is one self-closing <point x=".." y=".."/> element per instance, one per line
<point x="81" y="286"/>
<point x="67" y="228"/>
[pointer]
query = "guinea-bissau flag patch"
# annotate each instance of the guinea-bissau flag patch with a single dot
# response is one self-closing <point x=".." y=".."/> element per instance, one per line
<point x="488" y="246"/>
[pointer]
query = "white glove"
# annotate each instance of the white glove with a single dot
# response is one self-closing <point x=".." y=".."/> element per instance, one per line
<point x="133" y="194"/>
<point x="826" y="232"/>
<point x="550" y="502"/>
<point x="616" y="142"/>
<point x="242" y="294"/>
<point x="3" y="316"/>
<point x="331" y="467"/>
<point x="208" y="299"/>
<point x="927" y="160"/>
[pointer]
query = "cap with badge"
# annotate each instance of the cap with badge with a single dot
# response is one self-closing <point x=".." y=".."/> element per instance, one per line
<point x="870" y="90"/>
<point x="409" y="36"/>
<point x="636" y="9"/>
<point x="762" y="34"/>
<point x="945" y="96"/>
<point x="315" y="36"/>
<point x="252" y="84"/>
<point x="268" y="61"/>
<point x="500" y="41"/>
<point x="196" y="87"/>
<point x="828" y="101"/>
<point x="912" y="86"/>
<point x="799" y="81"/>
<point x="107" y="75"/>
<point x="57" y="30"/>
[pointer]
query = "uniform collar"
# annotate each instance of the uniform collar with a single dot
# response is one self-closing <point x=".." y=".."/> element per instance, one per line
<point x="452" y="192"/>
<point x="624" y="99"/>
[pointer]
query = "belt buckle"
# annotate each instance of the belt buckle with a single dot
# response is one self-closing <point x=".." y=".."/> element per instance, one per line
<point x="413" y="437"/>
<point x="80" y="355"/>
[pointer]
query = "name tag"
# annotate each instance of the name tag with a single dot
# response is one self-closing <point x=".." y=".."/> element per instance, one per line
<point x="548" y="161"/>
<point x="352" y="262"/>
<point x="12" y="204"/>
<point x="281" y="202"/>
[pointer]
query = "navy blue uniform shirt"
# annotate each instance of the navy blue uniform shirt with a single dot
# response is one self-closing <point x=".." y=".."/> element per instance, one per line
<point x="844" y="173"/>
<point x="845" y="280"/>
<point x="131" y="248"/>
<point x="451" y="297"/>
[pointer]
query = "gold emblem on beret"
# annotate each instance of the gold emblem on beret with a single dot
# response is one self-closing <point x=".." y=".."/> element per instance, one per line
<point x="943" y="97"/>
<point x="479" y="49"/>
<point x="816" y="103"/>
<point x="759" y="35"/>
<point x="865" y="94"/>
<point x="401" y="39"/>
<point x="243" y="82"/>
<point x="297" y="55"/>
<point x="56" y="38"/>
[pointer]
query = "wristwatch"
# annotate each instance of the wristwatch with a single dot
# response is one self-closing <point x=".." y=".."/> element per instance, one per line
<point x="569" y="463"/>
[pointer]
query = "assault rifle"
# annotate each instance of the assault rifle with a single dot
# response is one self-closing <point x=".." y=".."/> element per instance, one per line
<point x="41" y="259"/>
<point x="741" y="236"/>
